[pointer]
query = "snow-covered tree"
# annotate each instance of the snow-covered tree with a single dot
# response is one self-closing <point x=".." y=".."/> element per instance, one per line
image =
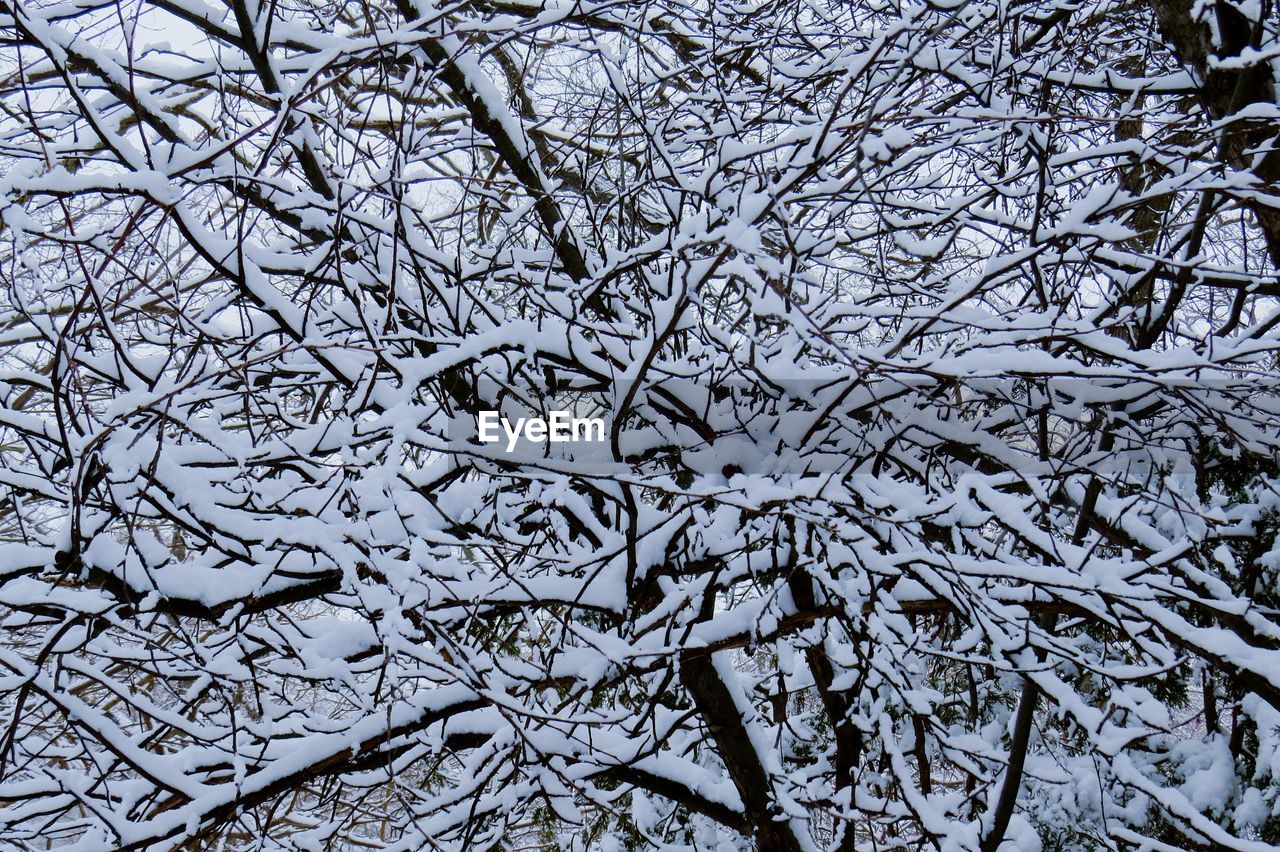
<point x="936" y="344"/>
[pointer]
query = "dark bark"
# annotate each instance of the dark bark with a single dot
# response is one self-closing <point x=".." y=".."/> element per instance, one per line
<point x="724" y="722"/>
<point x="1246" y="145"/>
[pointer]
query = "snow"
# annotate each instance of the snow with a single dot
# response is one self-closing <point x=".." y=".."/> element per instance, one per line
<point x="872" y="300"/>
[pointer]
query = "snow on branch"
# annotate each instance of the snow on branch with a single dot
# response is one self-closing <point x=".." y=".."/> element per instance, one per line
<point x="889" y="403"/>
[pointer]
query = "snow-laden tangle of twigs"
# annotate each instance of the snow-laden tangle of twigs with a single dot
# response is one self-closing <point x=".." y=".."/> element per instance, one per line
<point x="936" y="345"/>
